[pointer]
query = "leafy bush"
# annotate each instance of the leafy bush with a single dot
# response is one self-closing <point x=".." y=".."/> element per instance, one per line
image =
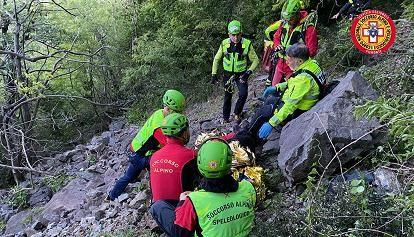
<point x="55" y="183"/>
<point x="408" y="9"/>
<point x="337" y="53"/>
<point x="398" y="114"/>
<point x="393" y="77"/>
<point x="17" y="197"/>
<point x="281" y="217"/>
<point x="2" y="225"/>
<point x="360" y="210"/>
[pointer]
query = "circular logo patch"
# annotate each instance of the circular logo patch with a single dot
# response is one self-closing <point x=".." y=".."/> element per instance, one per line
<point x="212" y="164"/>
<point x="373" y="32"/>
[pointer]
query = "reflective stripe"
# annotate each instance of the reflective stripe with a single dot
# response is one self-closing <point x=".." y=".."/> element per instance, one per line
<point x="302" y="91"/>
<point x="225" y="214"/>
<point x="234" y="62"/>
<point x="274" y="121"/>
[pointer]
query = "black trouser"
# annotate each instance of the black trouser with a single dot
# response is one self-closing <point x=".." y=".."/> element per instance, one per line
<point x="163" y="213"/>
<point x="228" y="94"/>
<point x="248" y="136"/>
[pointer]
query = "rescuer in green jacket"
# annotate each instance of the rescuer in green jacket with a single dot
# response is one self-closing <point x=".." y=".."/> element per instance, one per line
<point x="221" y="207"/>
<point x="286" y="100"/>
<point x="300" y="92"/>
<point x="235" y="52"/>
<point x="149" y="139"/>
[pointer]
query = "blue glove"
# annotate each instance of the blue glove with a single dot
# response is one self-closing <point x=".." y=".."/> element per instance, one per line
<point x="269" y="90"/>
<point x="265" y="130"/>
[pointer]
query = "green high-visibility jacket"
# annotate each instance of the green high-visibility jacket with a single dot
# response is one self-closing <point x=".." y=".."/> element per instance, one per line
<point x="297" y="35"/>
<point x="300" y="92"/>
<point x="271" y="29"/>
<point x="147" y="130"/>
<point x="235" y="61"/>
<point x="225" y="214"/>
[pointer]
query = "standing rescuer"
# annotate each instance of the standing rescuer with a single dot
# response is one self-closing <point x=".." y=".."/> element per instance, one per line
<point x="235" y="52"/>
<point x="222" y="207"/>
<point x="149" y="139"/>
<point x="173" y="168"/>
<point x="297" y="27"/>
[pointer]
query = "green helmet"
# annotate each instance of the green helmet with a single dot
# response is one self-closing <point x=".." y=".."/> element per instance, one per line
<point x="173" y="124"/>
<point x="291" y="8"/>
<point x="234" y="27"/>
<point x="174" y="100"/>
<point x="214" y="159"/>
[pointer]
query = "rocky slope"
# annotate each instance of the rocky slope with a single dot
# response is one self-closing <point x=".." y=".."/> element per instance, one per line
<point x="71" y="202"/>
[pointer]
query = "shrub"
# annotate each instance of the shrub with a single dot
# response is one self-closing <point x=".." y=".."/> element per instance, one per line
<point x="55" y="183"/>
<point x="17" y="197"/>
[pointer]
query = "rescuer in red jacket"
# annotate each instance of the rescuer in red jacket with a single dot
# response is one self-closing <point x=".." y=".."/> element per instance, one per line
<point x="298" y="27"/>
<point x="173" y="168"/>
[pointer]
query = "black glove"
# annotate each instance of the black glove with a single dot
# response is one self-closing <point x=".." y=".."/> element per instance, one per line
<point x="245" y="76"/>
<point x="214" y="79"/>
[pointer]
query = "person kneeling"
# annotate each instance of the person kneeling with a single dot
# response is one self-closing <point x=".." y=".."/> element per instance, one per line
<point x="222" y="207"/>
<point x="173" y="168"/>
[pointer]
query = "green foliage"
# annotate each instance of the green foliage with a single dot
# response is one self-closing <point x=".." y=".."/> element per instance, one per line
<point x="359" y="209"/>
<point x="17" y="197"/>
<point x="398" y="114"/>
<point x="92" y="158"/>
<point x="337" y="53"/>
<point x="2" y="225"/>
<point x="55" y="183"/>
<point x="357" y="186"/>
<point x="408" y="9"/>
<point x="103" y="31"/>
<point x="280" y="218"/>
<point x="32" y="215"/>
<point x="141" y="187"/>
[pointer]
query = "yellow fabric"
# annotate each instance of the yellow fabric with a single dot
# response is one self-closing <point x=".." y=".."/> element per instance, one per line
<point x="301" y="93"/>
<point x="272" y="28"/>
<point x="147" y="130"/>
<point x="219" y="56"/>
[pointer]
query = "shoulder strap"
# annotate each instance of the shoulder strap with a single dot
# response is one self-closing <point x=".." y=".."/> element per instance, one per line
<point x="300" y="71"/>
<point x="246" y="45"/>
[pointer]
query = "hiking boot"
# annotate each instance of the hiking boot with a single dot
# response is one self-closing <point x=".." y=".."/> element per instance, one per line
<point x="225" y="121"/>
<point x="238" y="118"/>
<point x="107" y="199"/>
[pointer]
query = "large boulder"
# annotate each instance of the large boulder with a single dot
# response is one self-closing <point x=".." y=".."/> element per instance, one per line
<point x="304" y="141"/>
<point x="71" y="197"/>
<point x="18" y="222"/>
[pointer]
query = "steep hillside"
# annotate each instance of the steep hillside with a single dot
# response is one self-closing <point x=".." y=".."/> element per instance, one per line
<point x="371" y="195"/>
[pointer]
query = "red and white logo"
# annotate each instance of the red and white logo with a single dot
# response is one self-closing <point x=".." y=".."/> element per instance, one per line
<point x="373" y="32"/>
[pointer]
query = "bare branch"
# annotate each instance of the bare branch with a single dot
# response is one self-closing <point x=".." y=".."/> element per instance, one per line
<point x="24" y="149"/>
<point x="64" y="9"/>
<point x="34" y="59"/>
<point x="333" y="146"/>
<point x="24" y="169"/>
